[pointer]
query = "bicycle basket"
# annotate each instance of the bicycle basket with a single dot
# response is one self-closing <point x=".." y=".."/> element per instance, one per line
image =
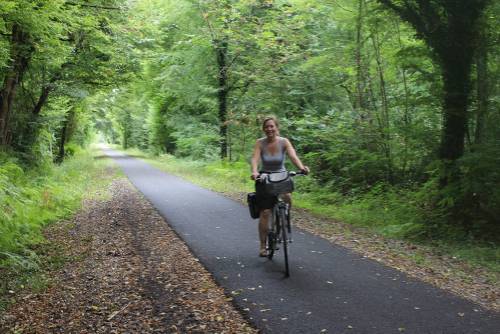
<point x="278" y="183"/>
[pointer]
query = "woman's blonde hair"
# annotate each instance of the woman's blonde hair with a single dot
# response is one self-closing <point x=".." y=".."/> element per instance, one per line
<point x="270" y="118"/>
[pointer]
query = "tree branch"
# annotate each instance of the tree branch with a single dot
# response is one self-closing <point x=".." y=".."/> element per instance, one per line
<point x="433" y="23"/>
<point x="409" y="14"/>
<point x="232" y="60"/>
<point x="211" y="30"/>
<point x="391" y="5"/>
<point x="342" y="7"/>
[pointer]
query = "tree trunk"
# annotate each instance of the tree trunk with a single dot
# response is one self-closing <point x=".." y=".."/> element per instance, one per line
<point x="221" y="51"/>
<point x="482" y="88"/>
<point x="62" y="141"/>
<point x="360" y="77"/>
<point x="6" y="97"/>
<point x="384" y="119"/>
<point x="47" y="88"/>
<point x="66" y="134"/>
<point x="456" y="88"/>
<point x="127" y="120"/>
<point x="406" y="115"/>
<point x="44" y="95"/>
<point x="20" y="55"/>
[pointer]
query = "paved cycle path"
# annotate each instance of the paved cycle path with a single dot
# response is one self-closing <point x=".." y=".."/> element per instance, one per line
<point x="331" y="289"/>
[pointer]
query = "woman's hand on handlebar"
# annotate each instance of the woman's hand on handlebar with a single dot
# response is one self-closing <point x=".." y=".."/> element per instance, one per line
<point x="255" y="175"/>
<point x="305" y="170"/>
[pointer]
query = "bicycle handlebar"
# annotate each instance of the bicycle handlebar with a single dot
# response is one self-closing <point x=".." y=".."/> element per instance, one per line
<point x="301" y="173"/>
<point x="290" y="173"/>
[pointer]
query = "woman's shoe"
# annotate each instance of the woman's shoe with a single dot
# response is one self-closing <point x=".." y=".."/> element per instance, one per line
<point x="262" y="253"/>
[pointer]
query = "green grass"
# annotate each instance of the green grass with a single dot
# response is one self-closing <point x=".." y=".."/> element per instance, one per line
<point x="29" y="201"/>
<point x="391" y="212"/>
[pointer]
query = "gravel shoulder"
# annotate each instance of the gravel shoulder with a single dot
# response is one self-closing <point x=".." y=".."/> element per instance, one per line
<point x="128" y="273"/>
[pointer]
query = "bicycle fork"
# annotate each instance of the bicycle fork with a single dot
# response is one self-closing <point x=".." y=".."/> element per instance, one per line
<point x="283" y="206"/>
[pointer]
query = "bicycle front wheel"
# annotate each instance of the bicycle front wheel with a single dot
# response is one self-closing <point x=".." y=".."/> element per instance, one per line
<point x="271" y="244"/>
<point x="282" y="218"/>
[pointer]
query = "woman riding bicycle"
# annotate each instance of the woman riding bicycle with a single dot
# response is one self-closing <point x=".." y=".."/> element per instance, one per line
<point x="271" y="151"/>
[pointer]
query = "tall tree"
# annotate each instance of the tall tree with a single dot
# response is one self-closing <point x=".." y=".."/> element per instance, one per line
<point x="450" y="29"/>
<point x="220" y="43"/>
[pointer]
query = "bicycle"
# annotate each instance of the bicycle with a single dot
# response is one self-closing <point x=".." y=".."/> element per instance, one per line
<point x="280" y="229"/>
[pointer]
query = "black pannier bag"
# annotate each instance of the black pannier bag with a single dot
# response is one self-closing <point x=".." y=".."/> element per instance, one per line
<point x="252" y="205"/>
<point x="278" y="183"/>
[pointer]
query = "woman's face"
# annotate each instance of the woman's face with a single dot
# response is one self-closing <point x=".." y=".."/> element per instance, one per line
<point x="270" y="129"/>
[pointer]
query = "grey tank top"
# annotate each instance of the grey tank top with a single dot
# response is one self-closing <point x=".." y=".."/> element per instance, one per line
<point x="272" y="162"/>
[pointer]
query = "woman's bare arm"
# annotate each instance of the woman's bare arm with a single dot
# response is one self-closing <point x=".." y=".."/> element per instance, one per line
<point x="255" y="160"/>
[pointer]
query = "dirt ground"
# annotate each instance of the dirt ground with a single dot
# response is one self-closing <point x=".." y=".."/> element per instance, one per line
<point x="128" y="273"/>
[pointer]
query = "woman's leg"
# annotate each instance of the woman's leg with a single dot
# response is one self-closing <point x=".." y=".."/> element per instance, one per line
<point x="263" y="226"/>
<point x="288" y="199"/>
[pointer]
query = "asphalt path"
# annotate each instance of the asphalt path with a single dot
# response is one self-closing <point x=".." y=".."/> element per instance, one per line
<point x="330" y="290"/>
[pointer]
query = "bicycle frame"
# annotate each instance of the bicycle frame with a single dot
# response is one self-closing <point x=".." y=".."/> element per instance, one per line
<point x="281" y="205"/>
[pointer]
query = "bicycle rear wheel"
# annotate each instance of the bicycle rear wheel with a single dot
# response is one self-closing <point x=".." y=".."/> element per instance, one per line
<point x="282" y="219"/>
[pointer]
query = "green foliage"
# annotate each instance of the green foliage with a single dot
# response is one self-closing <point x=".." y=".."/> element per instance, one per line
<point x="161" y="138"/>
<point x="478" y="193"/>
<point x="196" y="141"/>
<point x="56" y="54"/>
<point x="357" y="93"/>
